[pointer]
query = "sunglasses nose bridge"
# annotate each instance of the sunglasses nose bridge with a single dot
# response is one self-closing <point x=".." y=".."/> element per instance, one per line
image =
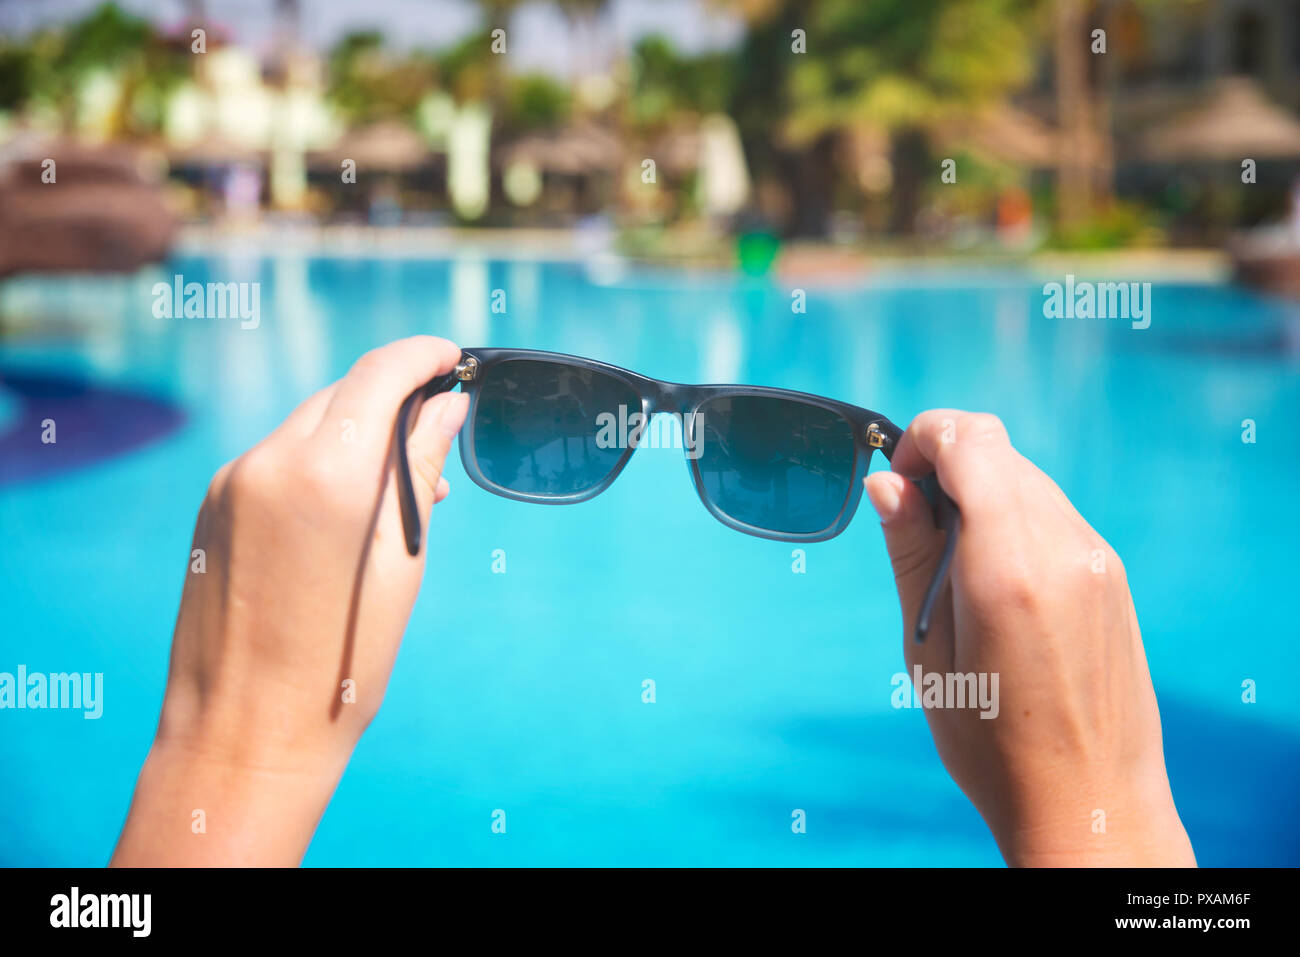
<point x="667" y="397"/>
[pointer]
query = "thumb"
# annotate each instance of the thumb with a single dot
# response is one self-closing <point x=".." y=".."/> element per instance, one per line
<point x="428" y="445"/>
<point x="914" y="546"/>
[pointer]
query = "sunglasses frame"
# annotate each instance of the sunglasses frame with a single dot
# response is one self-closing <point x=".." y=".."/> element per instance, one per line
<point x="683" y="400"/>
<point x="871" y="431"/>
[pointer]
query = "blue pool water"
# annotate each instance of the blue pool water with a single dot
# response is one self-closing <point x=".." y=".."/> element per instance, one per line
<point x="522" y="691"/>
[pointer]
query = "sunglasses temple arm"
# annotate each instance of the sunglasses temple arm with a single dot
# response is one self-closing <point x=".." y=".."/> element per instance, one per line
<point x="406" y="500"/>
<point x="948" y="518"/>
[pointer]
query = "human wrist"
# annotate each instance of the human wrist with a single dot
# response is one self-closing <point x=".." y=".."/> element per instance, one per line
<point x="195" y="809"/>
<point x="1138" y="828"/>
<point x="222" y="792"/>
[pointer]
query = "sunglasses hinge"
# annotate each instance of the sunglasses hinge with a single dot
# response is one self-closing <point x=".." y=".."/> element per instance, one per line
<point x="875" y="437"/>
<point x="466" y="369"/>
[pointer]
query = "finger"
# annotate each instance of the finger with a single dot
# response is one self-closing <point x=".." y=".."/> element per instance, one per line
<point x="974" y="459"/>
<point x="914" y="546"/>
<point x="968" y="451"/>
<point x="368" y="397"/>
<point x="428" y="411"/>
<point x="427" y="448"/>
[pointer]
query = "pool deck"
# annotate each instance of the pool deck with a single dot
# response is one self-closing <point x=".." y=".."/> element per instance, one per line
<point x="818" y="263"/>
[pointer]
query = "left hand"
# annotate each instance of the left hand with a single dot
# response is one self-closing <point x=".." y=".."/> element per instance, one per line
<point x="284" y="644"/>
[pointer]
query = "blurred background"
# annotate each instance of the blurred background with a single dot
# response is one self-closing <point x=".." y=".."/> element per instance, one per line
<point x="1072" y="124"/>
<point x="858" y="199"/>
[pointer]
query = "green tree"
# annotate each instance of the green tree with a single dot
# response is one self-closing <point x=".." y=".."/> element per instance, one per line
<point x="537" y="102"/>
<point x="18" y="68"/>
<point x="666" y="85"/>
<point x="901" y="66"/>
<point x="368" y="83"/>
<point x="471" y="71"/>
<point x="51" y="66"/>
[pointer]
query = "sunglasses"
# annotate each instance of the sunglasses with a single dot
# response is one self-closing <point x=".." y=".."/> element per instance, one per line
<point x="556" y="429"/>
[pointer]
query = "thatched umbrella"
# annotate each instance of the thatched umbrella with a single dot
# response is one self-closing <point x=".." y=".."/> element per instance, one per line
<point x="1007" y="134"/>
<point x="575" y="150"/>
<point x="104" y="211"/>
<point x="1238" y="122"/>
<point x="1235" y="122"/>
<point x="385" y="147"/>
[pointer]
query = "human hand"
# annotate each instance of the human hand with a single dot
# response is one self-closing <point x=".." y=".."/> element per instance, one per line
<point x="1039" y="599"/>
<point x="284" y="644"/>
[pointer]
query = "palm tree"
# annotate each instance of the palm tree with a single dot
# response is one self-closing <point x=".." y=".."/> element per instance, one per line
<point x="1074" y="114"/>
<point x="901" y="66"/>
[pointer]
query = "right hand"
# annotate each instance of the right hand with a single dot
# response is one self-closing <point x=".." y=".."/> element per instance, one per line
<point x="1038" y="598"/>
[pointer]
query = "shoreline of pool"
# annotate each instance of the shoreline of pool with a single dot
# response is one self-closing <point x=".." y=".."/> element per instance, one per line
<point x="816" y="263"/>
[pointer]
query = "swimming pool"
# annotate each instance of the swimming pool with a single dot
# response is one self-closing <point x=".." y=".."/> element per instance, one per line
<point x="772" y="688"/>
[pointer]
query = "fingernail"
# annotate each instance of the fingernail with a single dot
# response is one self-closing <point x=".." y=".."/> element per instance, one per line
<point x="444" y="487"/>
<point x="453" y="414"/>
<point x="885" y="495"/>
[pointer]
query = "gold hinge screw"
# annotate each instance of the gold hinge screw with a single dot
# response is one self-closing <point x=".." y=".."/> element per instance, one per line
<point x="466" y="369"/>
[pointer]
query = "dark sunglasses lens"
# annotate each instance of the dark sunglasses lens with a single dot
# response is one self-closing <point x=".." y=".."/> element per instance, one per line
<point x="538" y="426"/>
<point x="776" y="464"/>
